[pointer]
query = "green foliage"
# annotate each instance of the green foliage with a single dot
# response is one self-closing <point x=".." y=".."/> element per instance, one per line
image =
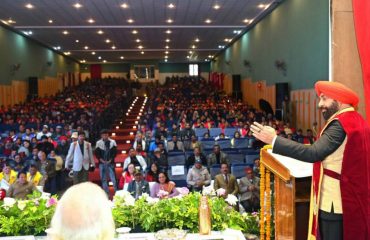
<point x="32" y="217"/>
<point x="26" y="217"/>
<point x="181" y="213"/>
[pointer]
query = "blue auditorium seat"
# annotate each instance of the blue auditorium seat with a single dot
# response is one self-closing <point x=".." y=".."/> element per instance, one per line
<point x="178" y="159"/>
<point x="238" y="169"/>
<point x="224" y="143"/>
<point x="199" y="132"/>
<point x="229" y="132"/>
<point x="214" y="170"/>
<point x="214" y="132"/>
<point x="236" y="158"/>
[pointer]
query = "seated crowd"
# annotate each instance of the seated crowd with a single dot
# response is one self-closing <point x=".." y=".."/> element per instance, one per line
<point x="191" y="133"/>
<point x="35" y="136"/>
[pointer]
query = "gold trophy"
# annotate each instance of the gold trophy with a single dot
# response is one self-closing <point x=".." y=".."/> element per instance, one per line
<point x="204" y="217"/>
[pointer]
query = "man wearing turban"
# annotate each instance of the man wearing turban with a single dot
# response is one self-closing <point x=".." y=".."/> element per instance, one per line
<point x="340" y="191"/>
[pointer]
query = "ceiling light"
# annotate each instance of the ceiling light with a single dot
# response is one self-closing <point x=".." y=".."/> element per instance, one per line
<point x="93" y="53"/>
<point x="122" y="57"/>
<point x="104" y="61"/>
<point x="190" y="52"/>
<point x="100" y="32"/>
<point x="196" y="40"/>
<point x="188" y="57"/>
<point x="193" y="47"/>
<point x="91" y="20"/>
<point x="99" y="57"/>
<point x="67" y="53"/>
<point x="168" y="32"/>
<point x="27" y="32"/>
<point x="124" y="5"/>
<point x="29" y="6"/>
<point x="263" y="6"/>
<point x="130" y="20"/>
<point x="166" y="52"/>
<point x="50" y="20"/>
<point x="134" y="32"/>
<point x="83" y="61"/>
<point x="65" y="32"/>
<point x="140" y="47"/>
<point x="86" y="47"/>
<point x="107" y="40"/>
<point x="77" y="41"/>
<point x="165" y="60"/>
<point x="210" y="56"/>
<point x="10" y="21"/>
<point x="113" y="47"/>
<point x="237" y="31"/>
<point x="167" y="47"/>
<point x="166" y="56"/>
<point x="247" y="20"/>
<point x="216" y="6"/>
<point x="138" y="40"/>
<point x="221" y="46"/>
<point x="171" y="5"/>
<point x="142" y="52"/>
<point x="169" y="20"/>
<point x="227" y="40"/>
<point x="206" y="60"/>
<point x="77" y="5"/>
<point x="208" y="21"/>
<point x="168" y="40"/>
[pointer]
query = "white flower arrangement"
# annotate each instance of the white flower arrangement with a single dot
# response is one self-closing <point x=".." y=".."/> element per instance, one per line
<point x="208" y="191"/>
<point x="125" y="196"/>
<point x="231" y="199"/>
<point x="221" y="192"/>
<point x="162" y="194"/>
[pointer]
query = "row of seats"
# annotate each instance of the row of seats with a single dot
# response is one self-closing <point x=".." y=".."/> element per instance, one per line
<point x="236" y="156"/>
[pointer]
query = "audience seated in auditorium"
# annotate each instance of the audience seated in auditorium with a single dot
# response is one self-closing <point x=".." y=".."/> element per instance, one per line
<point x="249" y="189"/>
<point x="160" y="159"/>
<point x="175" y="144"/>
<point x="138" y="186"/>
<point x="35" y="176"/>
<point x="198" y="176"/>
<point x="226" y="181"/>
<point x="217" y="157"/>
<point x="137" y="160"/>
<point x="21" y="188"/>
<point x="163" y="188"/>
<point x="93" y="221"/>
<point x="196" y="156"/>
<point x="152" y="174"/>
<point x="8" y="174"/>
<point x="127" y="176"/>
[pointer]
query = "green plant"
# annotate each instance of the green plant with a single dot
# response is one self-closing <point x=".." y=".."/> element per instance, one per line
<point x="26" y="217"/>
<point x="180" y="213"/>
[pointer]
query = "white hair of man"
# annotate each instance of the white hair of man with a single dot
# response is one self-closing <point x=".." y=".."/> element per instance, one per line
<point x="83" y="213"/>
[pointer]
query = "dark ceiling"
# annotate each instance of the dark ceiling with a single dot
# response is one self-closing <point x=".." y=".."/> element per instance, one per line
<point x="65" y="24"/>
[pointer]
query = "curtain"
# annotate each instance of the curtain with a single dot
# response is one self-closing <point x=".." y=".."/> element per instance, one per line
<point x="95" y="71"/>
<point x="361" y="13"/>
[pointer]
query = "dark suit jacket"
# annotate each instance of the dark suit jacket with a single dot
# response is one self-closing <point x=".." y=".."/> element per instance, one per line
<point x="131" y="188"/>
<point x="191" y="160"/>
<point x="231" y="188"/>
<point x="330" y="140"/>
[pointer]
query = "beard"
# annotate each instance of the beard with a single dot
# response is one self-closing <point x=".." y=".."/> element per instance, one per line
<point x="330" y="111"/>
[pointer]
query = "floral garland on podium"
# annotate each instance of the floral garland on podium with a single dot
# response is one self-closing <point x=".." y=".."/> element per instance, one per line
<point x="265" y="200"/>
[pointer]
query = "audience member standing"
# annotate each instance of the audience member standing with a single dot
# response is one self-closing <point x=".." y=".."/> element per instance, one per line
<point x="80" y="154"/>
<point x="106" y="151"/>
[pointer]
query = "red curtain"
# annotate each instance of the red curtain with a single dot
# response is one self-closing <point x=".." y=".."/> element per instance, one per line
<point x="95" y="71"/>
<point x="361" y="12"/>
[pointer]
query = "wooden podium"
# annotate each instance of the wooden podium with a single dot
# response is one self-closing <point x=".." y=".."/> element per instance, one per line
<point x="292" y="185"/>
